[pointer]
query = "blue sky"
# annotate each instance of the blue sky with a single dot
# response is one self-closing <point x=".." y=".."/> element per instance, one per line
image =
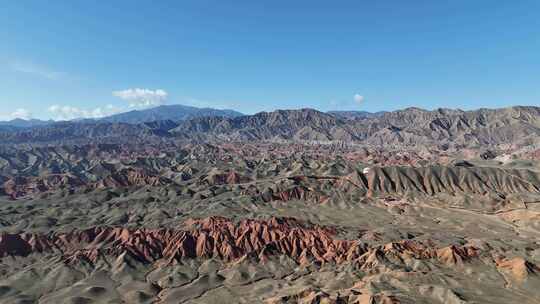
<point x="62" y="59"/>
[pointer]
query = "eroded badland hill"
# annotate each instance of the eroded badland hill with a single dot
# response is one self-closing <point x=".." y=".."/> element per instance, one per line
<point x="296" y="206"/>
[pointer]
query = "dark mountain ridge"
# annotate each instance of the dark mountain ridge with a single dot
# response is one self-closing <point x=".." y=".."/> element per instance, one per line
<point x="355" y="114"/>
<point x="411" y="126"/>
<point x="168" y="112"/>
<point x="24" y="123"/>
<point x="173" y="112"/>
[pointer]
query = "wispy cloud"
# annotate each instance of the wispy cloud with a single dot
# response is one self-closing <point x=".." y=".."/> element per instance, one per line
<point x="18" y="113"/>
<point x="36" y="70"/>
<point x="21" y="113"/>
<point x="353" y="103"/>
<point x="137" y="98"/>
<point x="68" y="112"/>
<point x="358" y="98"/>
<point x="142" y="98"/>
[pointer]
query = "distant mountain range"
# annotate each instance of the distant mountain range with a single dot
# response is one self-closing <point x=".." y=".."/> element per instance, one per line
<point x="168" y="112"/>
<point x="355" y="114"/>
<point x="411" y="126"/>
<point x="164" y="112"/>
<point x="23" y="123"/>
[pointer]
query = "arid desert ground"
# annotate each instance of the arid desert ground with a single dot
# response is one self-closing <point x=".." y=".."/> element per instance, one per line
<point x="296" y="206"/>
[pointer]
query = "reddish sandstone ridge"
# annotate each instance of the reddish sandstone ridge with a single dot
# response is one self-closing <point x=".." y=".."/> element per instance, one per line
<point x="312" y="296"/>
<point x="519" y="268"/>
<point x="224" y="239"/>
<point x="23" y="186"/>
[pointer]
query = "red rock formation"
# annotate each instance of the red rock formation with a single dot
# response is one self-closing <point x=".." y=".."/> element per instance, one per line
<point x="311" y="296"/>
<point x="307" y="296"/>
<point x="221" y="238"/>
<point x="519" y="268"/>
<point x="454" y="255"/>
<point x="24" y="186"/>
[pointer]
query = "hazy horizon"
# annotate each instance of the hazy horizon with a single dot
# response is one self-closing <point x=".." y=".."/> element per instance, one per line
<point x="329" y="111"/>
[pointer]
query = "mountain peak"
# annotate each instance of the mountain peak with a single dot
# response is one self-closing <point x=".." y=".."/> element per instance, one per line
<point x="174" y="112"/>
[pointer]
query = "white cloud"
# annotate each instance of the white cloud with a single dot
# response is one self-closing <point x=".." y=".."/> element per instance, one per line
<point x="35" y="69"/>
<point x="21" y="113"/>
<point x="142" y="98"/>
<point x="69" y="112"/>
<point x="358" y="98"/>
<point x="340" y="104"/>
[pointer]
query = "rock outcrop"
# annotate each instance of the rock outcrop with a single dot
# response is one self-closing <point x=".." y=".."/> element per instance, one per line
<point x="223" y="239"/>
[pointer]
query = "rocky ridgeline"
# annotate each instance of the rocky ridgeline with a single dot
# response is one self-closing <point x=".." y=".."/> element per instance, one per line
<point x="408" y="127"/>
<point x="377" y="180"/>
<point x="221" y="238"/>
